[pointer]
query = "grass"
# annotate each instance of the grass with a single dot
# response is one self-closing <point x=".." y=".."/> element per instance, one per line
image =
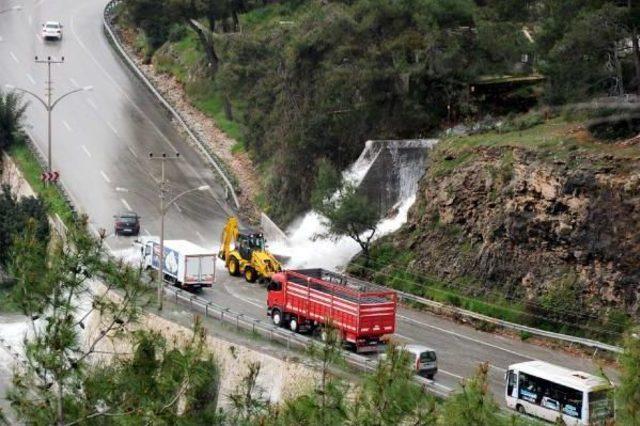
<point x="181" y="59"/>
<point x="557" y="139"/>
<point x="51" y="194"/>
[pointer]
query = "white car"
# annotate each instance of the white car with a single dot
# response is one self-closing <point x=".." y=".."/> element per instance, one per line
<point x="52" y="30"/>
<point x="421" y="358"/>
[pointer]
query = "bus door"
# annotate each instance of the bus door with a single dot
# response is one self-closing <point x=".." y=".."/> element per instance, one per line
<point x="512" y="384"/>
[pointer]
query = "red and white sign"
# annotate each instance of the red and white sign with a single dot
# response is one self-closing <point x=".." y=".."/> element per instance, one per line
<point x="50" y="176"/>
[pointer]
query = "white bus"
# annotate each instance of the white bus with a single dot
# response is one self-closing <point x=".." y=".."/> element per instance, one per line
<point x="548" y="391"/>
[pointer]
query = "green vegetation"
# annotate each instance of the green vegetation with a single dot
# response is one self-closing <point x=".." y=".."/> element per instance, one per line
<point x="300" y="82"/>
<point x="306" y="81"/>
<point x="346" y="212"/>
<point x="628" y="394"/>
<point x="389" y="266"/>
<point x="49" y="194"/>
<point x="11" y="114"/>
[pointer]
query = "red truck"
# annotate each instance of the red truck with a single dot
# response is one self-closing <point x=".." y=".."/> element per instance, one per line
<point x="312" y="299"/>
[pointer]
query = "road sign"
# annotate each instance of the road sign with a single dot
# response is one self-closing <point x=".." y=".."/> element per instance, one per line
<point x="49" y="176"/>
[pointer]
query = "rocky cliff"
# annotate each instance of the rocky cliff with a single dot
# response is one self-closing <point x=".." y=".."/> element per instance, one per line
<point x="539" y="215"/>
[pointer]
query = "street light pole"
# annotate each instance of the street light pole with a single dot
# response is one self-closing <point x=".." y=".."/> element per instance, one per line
<point x="48" y="103"/>
<point x="49" y="93"/>
<point x="162" y="185"/>
<point x="164" y="208"/>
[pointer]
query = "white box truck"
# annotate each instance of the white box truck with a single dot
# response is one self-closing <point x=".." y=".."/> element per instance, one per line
<point x="186" y="264"/>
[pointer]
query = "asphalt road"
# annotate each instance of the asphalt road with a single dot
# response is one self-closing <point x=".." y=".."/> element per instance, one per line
<point x="101" y="140"/>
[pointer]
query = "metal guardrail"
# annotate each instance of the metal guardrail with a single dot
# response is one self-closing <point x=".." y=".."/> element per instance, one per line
<point x="106" y="20"/>
<point x="281" y="335"/>
<point x="596" y="345"/>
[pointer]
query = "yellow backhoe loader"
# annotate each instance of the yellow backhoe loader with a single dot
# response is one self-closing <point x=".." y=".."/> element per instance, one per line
<point x="249" y="256"/>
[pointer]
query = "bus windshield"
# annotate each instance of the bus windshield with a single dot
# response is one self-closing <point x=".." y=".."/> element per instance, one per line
<point x="600" y="406"/>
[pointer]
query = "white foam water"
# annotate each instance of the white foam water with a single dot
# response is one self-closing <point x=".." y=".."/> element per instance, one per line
<point x="306" y="249"/>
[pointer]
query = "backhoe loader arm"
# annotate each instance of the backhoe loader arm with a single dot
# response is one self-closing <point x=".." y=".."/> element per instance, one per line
<point x="229" y="235"/>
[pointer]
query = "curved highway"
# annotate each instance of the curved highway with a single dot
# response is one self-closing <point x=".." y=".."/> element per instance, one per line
<point x="101" y="140"/>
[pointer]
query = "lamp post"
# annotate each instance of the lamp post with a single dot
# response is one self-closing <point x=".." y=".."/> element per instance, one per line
<point x="11" y="9"/>
<point x="164" y="207"/>
<point x="49" y="104"/>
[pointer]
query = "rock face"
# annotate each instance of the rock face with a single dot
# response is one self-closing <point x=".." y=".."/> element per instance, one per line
<point x="519" y="222"/>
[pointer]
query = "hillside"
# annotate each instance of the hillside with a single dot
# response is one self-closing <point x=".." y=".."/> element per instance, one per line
<point x="300" y="82"/>
<point x="542" y="221"/>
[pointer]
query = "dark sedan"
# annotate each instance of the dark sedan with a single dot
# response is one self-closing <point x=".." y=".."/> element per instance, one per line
<point x="127" y="224"/>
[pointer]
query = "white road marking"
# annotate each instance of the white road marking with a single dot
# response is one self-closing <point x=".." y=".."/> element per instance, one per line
<point x="14" y="57"/>
<point x="500" y="369"/>
<point x="146" y="231"/>
<point x="31" y="79"/>
<point x="75" y="83"/>
<point x="104" y="175"/>
<point x="449" y="373"/>
<point x="86" y="151"/>
<point x="92" y="104"/>
<point x="66" y="125"/>
<point x="132" y="151"/>
<point x="200" y="235"/>
<point x="424" y="324"/>
<point x="125" y="203"/>
<point x="135" y="105"/>
<point x="244" y="299"/>
<point x="403" y="337"/>
<point x="113" y="129"/>
<point x="178" y="207"/>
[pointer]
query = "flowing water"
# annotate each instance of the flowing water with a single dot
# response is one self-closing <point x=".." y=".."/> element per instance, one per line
<point x="388" y="173"/>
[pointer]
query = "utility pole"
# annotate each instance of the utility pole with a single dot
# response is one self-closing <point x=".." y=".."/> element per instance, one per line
<point x="49" y="96"/>
<point x="163" y="158"/>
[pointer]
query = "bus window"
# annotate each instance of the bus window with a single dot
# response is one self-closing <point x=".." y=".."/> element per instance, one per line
<point x="553" y="396"/>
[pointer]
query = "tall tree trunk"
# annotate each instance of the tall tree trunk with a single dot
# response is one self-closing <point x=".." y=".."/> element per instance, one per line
<point x="206" y="40"/>
<point x="636" y="56"/>
<point x="635" y="44"/>
<point x="618" y="67"/>
<point x="236" y="21"/>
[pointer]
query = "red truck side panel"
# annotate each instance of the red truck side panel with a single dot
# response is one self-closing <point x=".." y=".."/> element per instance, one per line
<point x="357" y="314"/>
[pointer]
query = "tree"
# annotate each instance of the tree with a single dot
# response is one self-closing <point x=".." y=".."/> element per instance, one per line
<point x="11" y="113"/>
<point x="16" y="214"/>
<point x="474" y="405"/>
<point x="581" y="52"/>
<point x="61" y="382"/>
<point x="390" y="396"/>
<point x="346" y="212"/>
<point x="628" y="392"/>
<point x="326" y="404"/>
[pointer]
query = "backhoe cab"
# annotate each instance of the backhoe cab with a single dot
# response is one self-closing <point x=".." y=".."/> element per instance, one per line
<point x="248" y="256"/>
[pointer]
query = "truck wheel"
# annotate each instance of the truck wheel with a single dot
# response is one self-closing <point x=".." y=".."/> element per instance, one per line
<point x="234" y="267"/>
<point x="250" y="275"/>
<point x="520" y="409"/>
<point x="276" y="317"/>
<point x="293" y="324"/>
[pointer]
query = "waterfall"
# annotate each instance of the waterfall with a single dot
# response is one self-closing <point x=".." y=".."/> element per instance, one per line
<point x="388" y="173"/>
